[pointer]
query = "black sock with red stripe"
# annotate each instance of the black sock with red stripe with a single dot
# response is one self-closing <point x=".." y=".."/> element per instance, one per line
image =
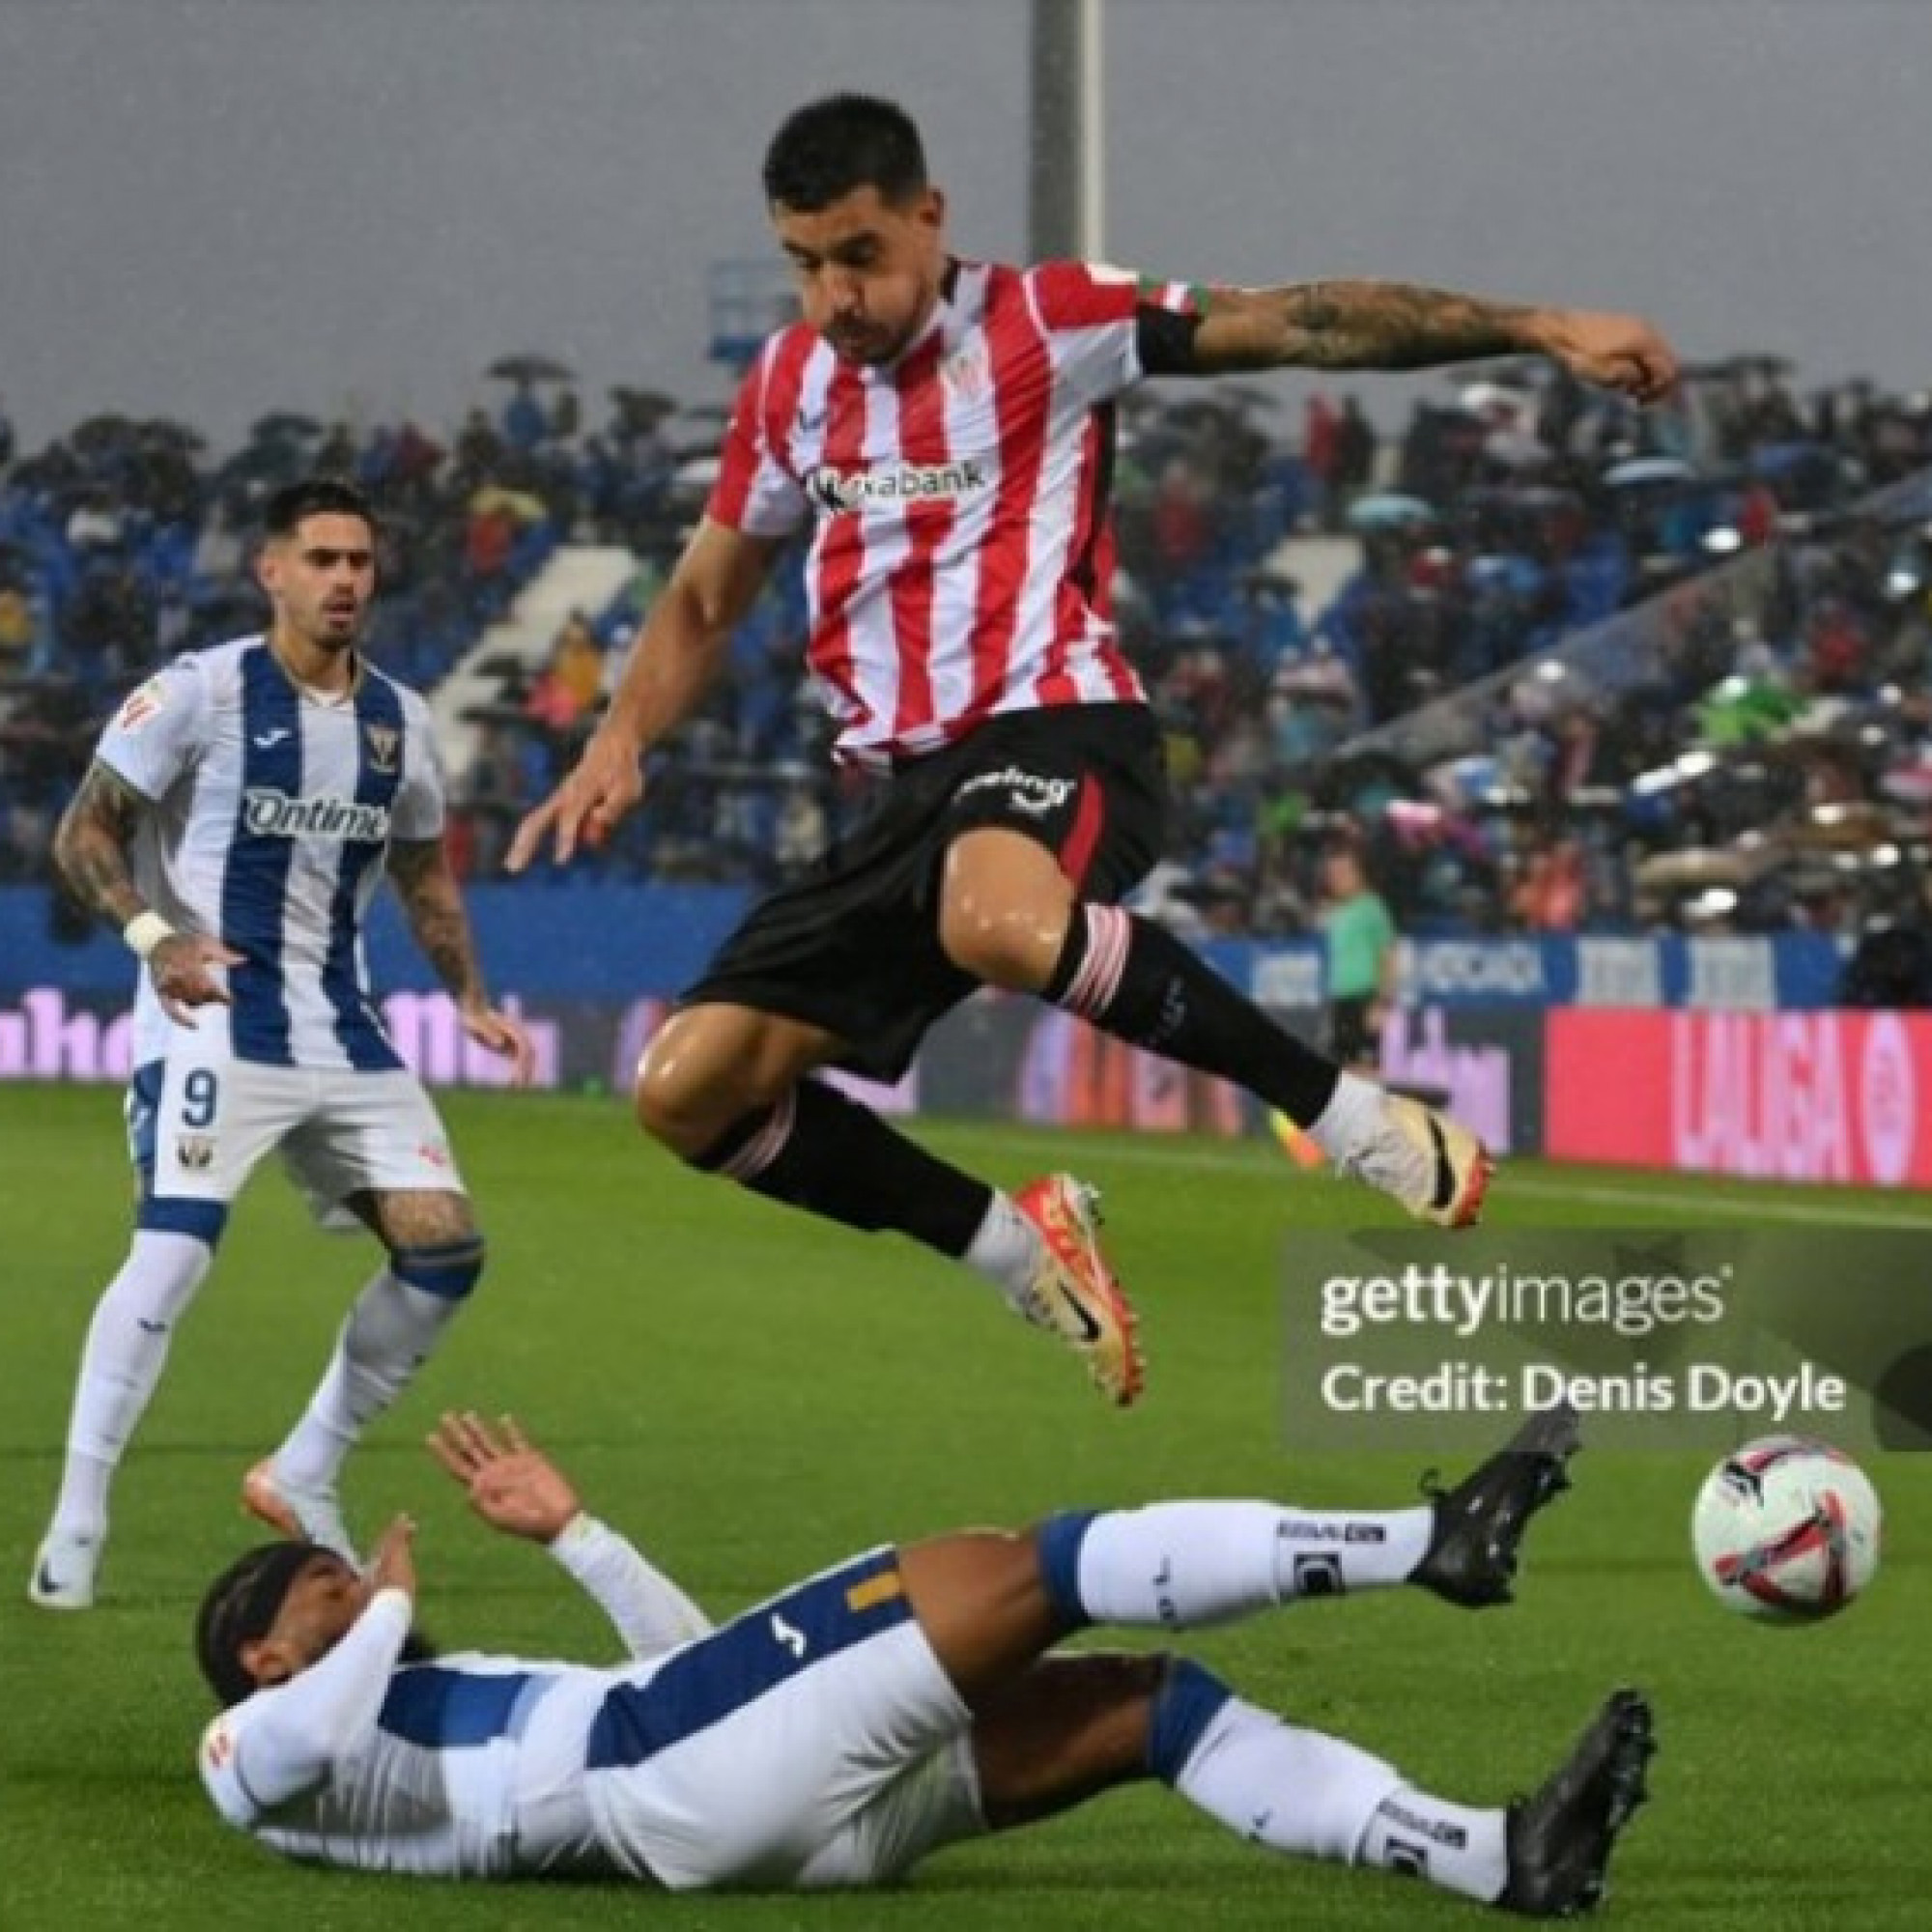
<point x="819" y="1151"/>
<point x="1134" y="979"/>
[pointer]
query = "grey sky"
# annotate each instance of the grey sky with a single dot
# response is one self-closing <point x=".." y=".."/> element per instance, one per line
<point x="214" y="208"/>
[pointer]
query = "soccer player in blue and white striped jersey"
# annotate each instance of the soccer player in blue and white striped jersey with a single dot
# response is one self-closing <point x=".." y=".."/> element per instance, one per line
<point x="242" y="811"/>
<point x="907" y="1699"/>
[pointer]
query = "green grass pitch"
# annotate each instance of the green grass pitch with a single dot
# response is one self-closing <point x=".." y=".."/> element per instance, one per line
<point x="753" y="1394"/>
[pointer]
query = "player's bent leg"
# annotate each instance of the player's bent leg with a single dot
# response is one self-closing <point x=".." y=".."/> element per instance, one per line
<point x="435" y="1258"/>
<point x="990" y="1602"/>
<point x="725" y="1087"/>
<point x="121" y="1365"/>
<point x="1067" y="1729"/>
<point x="983" y="1599"/>
<point x="1008" y="917"/>
<point x="1004" y="907"/>
<point x="711" y="1066"/>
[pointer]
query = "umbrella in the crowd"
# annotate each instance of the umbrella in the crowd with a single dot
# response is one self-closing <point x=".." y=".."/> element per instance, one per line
<point x="1698" y="866"/>
<point x="642" y="406"/>
<point x="164" y="433"/>
<point x="1389" y="509"/>
<point x="101" y="433"/>
<point x="1636" y="471"/>
<point x="284" y="426"/>
<point x="529" y="366"/>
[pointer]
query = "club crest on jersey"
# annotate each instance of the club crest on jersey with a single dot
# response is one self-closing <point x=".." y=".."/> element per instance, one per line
<point x="839" y="492"/>
<point x="195" y="1152"/>
<point x="966" y="373"/>
<point x="274" y="814"/>
<point x="384" y="741"/>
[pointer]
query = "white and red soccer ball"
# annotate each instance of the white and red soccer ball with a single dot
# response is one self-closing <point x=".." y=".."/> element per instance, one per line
<point x="1786" y="1529"/>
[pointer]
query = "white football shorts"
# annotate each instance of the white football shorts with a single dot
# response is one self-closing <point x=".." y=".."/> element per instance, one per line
<point x="198" y="1125"/>
<point x="811" y="1742"/>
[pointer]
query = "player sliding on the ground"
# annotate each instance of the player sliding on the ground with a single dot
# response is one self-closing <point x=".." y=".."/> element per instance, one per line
<point x="904" y="1700"/>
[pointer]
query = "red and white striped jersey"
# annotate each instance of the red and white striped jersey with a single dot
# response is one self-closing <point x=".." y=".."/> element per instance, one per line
<point x="962" y="558"/>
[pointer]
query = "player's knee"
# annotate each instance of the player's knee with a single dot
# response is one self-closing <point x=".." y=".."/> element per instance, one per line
<point x="682" y="1101"/>
<point x="168" y="1266"/>
<point x="669" y="1107"/>
<point x="1000" y="945"/>
<point x="447" y="1269"/>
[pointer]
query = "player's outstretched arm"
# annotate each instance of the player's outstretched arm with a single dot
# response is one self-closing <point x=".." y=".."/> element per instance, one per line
<point x="431" y="901"/>
<point x="511" y="1484"/>
<point x="672" y="665"/>
<point x="91" y="850"/>
<point x="1364" y="324"/>
<point x="514" y="1486"/>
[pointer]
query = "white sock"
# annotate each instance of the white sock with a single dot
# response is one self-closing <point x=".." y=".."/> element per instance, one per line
<point x="120" y="1366"/>
<point x="386" y="1337"/>
<point x="1458" y="1846"/>
<point x="1006" y="1250"/>
<point x="1184" y="1565"/>
<point x="1292" y="1790"/>
<point x="1354" y="1112"/>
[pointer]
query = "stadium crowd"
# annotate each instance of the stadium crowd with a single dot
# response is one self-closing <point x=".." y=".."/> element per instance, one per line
<point x="1578" y="639"/>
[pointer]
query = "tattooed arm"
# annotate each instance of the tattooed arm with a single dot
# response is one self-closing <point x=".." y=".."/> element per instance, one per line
<point x="433" y="903"/>
<point x="1354" y="324"/>
<point x="91" y="849"/>
<point x="90" y="845"/>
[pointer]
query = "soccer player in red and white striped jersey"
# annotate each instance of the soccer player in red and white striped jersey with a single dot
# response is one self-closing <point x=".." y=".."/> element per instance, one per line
<point x="942" y="429"/>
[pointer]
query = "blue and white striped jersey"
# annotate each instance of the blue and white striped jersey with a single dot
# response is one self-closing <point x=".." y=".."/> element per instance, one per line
<point x="273" y="808"/>
<point x="471" y="1767"/>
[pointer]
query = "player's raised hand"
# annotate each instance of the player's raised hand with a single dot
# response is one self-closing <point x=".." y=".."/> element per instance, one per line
<point x="393" y="1564"/>
<point x="503" y="1034"/>
<point x="584" y="808"/>
<point x="187" y="968"/>
<point x="513" y="1486"/>
<point x="1615" y="352"/>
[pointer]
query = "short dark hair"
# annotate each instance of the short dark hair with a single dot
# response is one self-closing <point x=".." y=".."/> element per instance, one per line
<point x="240" y="1607"/>
<point x="829" y="148"/>
<point x="316" y="496"/>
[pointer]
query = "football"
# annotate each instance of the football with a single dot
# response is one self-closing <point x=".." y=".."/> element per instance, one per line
<point x="1786" y="1529"/>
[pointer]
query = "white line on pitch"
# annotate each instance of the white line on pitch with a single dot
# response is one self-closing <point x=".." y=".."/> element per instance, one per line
<point x="1259" y="1164"/>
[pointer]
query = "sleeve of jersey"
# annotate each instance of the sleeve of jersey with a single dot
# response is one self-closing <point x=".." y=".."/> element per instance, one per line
<point x="283" y="1742"/>
<point x="1107" y="327"/>
<point x="650" y="1612"/>
<point x="156" y="734"/>
<point x="418" y="809"/>
<point x="754" y="492"/>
